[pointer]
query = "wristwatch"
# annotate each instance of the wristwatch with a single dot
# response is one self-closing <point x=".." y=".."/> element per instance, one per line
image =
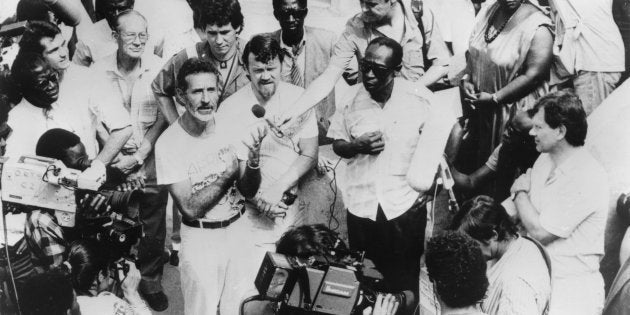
<point x="138" y="158"/>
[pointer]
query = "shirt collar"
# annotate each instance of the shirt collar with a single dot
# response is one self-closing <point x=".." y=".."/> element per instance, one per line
<point x="574" y="162"/>
<point x="110" y="65"/>
<point x="207" y="52"/>
<point x="289" y="48"/>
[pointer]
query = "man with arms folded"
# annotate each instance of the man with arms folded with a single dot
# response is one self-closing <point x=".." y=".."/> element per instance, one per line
<point x="198" y="165"/>
<point x="563" y="202"/>
<point x="378" y="133"/>
<point x="284" y="158"/>
<point x="123" y="81"/>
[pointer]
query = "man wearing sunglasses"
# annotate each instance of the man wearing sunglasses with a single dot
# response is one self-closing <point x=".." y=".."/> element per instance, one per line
<point x="389" y="18"/>
<point x="123" y="81"/>
<point x="378" y="133"/>
<point x="307" y="54"/>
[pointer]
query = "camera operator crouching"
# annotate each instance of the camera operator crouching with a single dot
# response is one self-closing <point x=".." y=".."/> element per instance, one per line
<point x="340" y="281"/>
<point x="85" y="284"/>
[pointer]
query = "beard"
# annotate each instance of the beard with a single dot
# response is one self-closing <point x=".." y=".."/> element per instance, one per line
<point x="266" y="90"/>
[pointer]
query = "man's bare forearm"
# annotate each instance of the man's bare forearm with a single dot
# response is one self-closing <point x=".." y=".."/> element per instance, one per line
<point x="167" y="107"/>
<point x="114" y="144"/>
<point x="202" y="201"/>
<point x="433" y="75"/>
<point x="344" y="149"/>
<point x="305" y="162"/>
<point x="531" y="219"/>
<point x="317" y="90"/>
<point x="151" y="136"/>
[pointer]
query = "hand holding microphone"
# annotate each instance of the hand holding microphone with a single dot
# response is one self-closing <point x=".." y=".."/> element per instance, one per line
<point x="259" y="112"/>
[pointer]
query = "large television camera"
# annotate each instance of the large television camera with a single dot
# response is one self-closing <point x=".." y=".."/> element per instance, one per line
<point x="320" y="284"/>
<point x="35" y="182"/>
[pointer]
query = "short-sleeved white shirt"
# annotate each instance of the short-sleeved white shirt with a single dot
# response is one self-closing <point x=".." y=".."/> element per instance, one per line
<point x="181" y="157"/>
<point x="573" y="205"/>
<point x="29" y="122"/>
<point x="381" y="179"/>
<point x="276" y="154"/>
<point x="73" y="106"/>
<point x="587" y="32"/>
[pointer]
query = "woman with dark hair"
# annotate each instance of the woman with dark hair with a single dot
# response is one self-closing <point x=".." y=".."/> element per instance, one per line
<point x="93" y="282"/>
<point x="519" y="276"/>
<point x="508" y="66"/>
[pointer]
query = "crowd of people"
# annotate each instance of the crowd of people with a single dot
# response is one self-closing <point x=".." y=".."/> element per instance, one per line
<point x="509" y="188"/>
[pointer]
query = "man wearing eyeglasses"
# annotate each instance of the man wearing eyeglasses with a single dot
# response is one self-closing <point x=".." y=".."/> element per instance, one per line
<point x="95" y="40"/>
<point x="378" y="133"/>
<point x="124" y="81"/>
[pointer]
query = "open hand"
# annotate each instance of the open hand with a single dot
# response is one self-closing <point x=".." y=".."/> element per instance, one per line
<point x="385" y="305"/>
<point x="253" y="140"/>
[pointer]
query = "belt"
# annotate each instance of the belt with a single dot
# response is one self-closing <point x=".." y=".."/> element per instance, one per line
<point x="214" y="224"/>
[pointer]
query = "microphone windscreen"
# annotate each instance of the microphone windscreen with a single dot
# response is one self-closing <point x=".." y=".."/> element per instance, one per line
<point x="258" y="111"/>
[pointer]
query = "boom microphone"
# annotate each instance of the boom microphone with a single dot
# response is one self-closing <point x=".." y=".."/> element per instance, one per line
<point x="259" y="112"/>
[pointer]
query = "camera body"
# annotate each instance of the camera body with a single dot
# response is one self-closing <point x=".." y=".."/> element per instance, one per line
<point x="35" y="182"/>
<point x="319" y="285"/>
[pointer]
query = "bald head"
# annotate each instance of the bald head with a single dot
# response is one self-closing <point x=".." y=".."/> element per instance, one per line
<point x="129" y="16"/>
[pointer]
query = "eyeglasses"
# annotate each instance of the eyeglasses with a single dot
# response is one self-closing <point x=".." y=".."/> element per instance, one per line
<point x="296" y="13"/>
<point x="379" y="71"/>
<point x="130" y="37"/>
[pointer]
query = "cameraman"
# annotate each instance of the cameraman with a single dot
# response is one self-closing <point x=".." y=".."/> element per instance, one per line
<point x="307" y="241"/>
<point x="94" y="280"/>
<point x="44" y="236"/>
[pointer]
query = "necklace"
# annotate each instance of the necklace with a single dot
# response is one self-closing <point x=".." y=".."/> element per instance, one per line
<point x="495" y="32"/>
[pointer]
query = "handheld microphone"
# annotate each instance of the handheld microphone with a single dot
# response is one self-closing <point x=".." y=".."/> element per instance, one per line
<point x="259" y="112"/>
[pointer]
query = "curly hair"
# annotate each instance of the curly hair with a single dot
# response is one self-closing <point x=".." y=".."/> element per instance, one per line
<point x="309" y="240"/>
<point x="481" y="217"/>
<point x="564" y="108"/>
<point x="264" y="47"/>
<point x="458" y="269"/>
<point x="218" y="12"/>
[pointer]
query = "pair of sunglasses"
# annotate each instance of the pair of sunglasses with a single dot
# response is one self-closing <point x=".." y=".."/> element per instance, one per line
<point x="296" y="13"/>
<point x="380" y="71"/>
